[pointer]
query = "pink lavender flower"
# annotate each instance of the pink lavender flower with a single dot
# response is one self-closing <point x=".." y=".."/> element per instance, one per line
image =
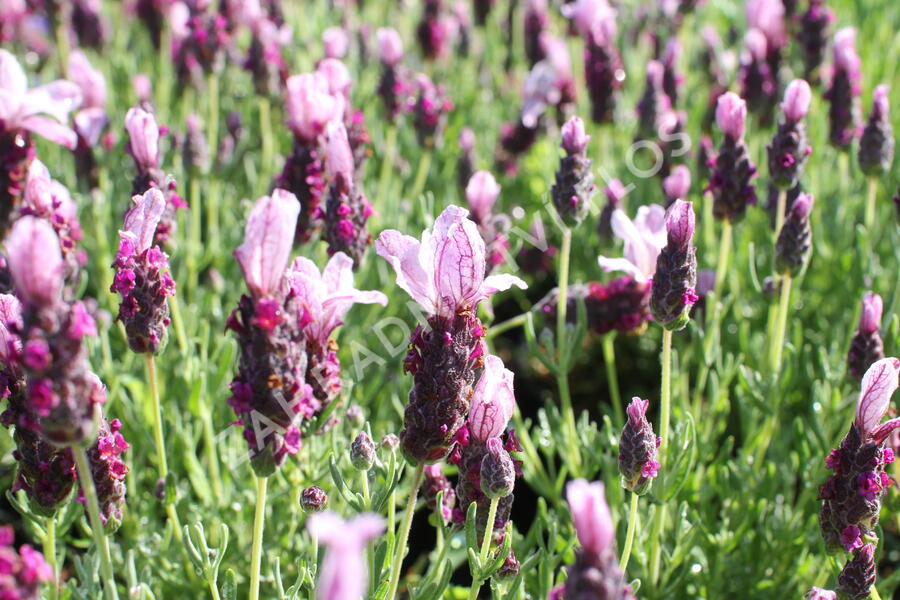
<point x="430" y="107"/>
<point x="323" y="298"/>
<point x="673" y="290"/>
<point x="790" y="148"/>
<point x="574" y="184"/>
<point x="23" y="571"/>
<point x="394" y="85"/>
<point x="335" y="42"/>
<point x="265" y="59"/>
<point x="434" y="30"/>
<point x="346" y="210"/>
<point x="638" y="452"/>
<point x="91" y="119"/>
<point x="817" y="593"/>
<point x="677" y="185"/>
<point x="89" y="24"/>
<point x="536" y="20"/>
<point x="795" y="238"/>
<point x="596" y="572"/>
<point x="843" y="94"/>
<point x="142" y="276"/>
<point x="866" y="347"/>
<point x="435" y="482"/>
<point x="851" y="496"/>
<point x="199" y="39"/>
<point x="269" y="393"/>
<point x="481" y="194"/>
<point x="108" y="471"/>
<point x="856" y="579"/>
<point x="732" y="168"/>
<point x="344" y="574"/>
<point x="445" y="274"/>
<point x="310" y="105"/>
<point x="813" y="37"/>
<point x="876" y="145"/>
<point x="654" y="102"/>
<point x="644" y="238"/>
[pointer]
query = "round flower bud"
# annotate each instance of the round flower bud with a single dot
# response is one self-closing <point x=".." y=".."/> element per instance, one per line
<point x="362" y="452"/>
<point x="498" y="473"/>
<point x="390" y="442"/>
<point x="313" y="499"/>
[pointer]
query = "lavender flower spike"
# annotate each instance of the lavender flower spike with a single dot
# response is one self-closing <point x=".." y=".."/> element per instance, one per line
<point x="444" y="273"/>
<point x="843" y="95"/>
<point x="730" y="182"/>
<point x="795" y="238"/>
<point x="344" y="573"/>
<point x="672" y="292"/>
<point x="574" y="185"/>
<point x="142" y="277"/>
<point x="817" y="593"/>
<point x="638" y="445"/>
<point x="677" y="185"/>
<point x="858" y="575"/>
<point x="24" y="570"/>
<point x="876" y="145"/>
<point x="866" y="347"/>
<point x="790" y="148"/>
<point x="596" y="572"/>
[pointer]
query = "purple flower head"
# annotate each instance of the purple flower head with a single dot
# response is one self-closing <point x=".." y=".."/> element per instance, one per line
<point x="390" y="46"/>
<point x="638" y="452"/>
<point x="844" y="52"/>
<point x="326" y="296"/>
<point x="797" y="98"/>
<point x="768" y="17"/>
<point x="337" y="76"/>
<point x="644" y="238"/>
<point x="817" y="593"/>
<point x="310" y="106"/>
<point x="268" y="237"/>
<point x="731" y="114"/>
<point x="24" y="109"/>
<point x="881" y="103"/>
<point x="35" y="262"/>
<point x="678" y="184"/>
<point x="680" y="223"/>
<point x="335" y="42"/>
<point x="856" y="579"/>
<point x="595" y="19"/>
<point x="481" y="194"/>
<point x="574" y="138"/>
<point x="870" y="319"/>
<point x="876" y="144"/>
<point x="444" y="272"/>
<point x="590" y="515"/>
<point x="493" y="402"/>
<point x="338" y="156"/>
<point x="143" y="138"/>
<point x="22" y="571"/>
<point x="878" y="385"/>
<point x="344" y="574"/>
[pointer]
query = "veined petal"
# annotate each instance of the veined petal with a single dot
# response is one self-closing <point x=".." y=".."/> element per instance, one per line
<point x="499" y="283"/>
<point x="493" y="401"/>
<point x="50" y="129"/>
<point x="459" y="261"/>
<point x="143" y="217"/>
<point x="268" y="238"/>
<point x="56" y="99"/>
<point x="406" y="254"/>
<point x="621" y="264"/>
<point x="878" y="385"/>
<point x="635" y="249"/>
<point x="12" y="76"/>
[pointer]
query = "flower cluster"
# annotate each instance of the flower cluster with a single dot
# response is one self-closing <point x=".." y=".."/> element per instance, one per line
<point x="638" y="449"/>
<point x="481" y="194"/>
<point x="876" y="144"/>
<point x="866" y="347"/>
<point x="574" y="184"/>
<point x="812" y="35"/>
<point x="851" y="496"/>
<point x="21" y="572"/>
<point x="142" y="278"/>
<point x="429" y="105"/>
<point x="843" y="94"/>
<point x="732" y="168"/>
<point x="789" y="148"/>
<point x="444" y="273"/>
<point x="144" y="147"/>
<point x="795" y="238"/>
<point x="393" y="87"/>
<point x="603" y="71"/>
<point x="199" y="39"/>
<point x="673" y="290"/>
<point x="108" y="471"/>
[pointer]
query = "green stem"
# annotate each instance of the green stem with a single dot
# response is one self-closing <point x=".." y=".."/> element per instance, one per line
<point x="777" y="346"/>
<point x="162" y="465"/>
<point x="90" y="494"/>
<point x="370" y="549"/>
<point x="268" y="145"/>
<point x="50" y="554"/>
<point x="656" y="548"/>
<point x="62" y="44"/>
<point x="212" y="91"/>
<point x="196" y="224"/>
<point x="504" y="326"/>
<point x="387" y="161"/>
<point x="256" y="550"/>
<point x="873" y="594"/>
<point x="779" y="211"/>
<point x="562" y="370"/>
<point x="612" y="378"/>
<point x="724" y="252"/>
<point x="178" y="324"/>
<point x="871" y="207"/>
<point x="400" y="545"/>
<point x="485" y="548"/>
<point x="629" y="536"/>
<point x="665" y="409"/>
<point x="421" y="175"/>
<point x="212" y="456"/>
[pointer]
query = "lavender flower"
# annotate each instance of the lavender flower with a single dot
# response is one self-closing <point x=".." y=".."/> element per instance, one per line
<point x="444" y="273"/>
<point x="313" y="499"/>
<point x="465" y="164"/>
<point x="142" y="276"/>
<point x="603" y="72"/>
<point x="269" y="393"/>
<point x="347" y="210"/>
<point x="643" y="239"/>
<point x="362" y="452"/>
<point x="843" y="94"/>
<point x="732" y="168"/>
<point x="21" y="114"/>
<point x="429" y="108"/>
<point x="614" y="192"/>
<point x="858" y="576"/>
<point x="143" y="145"/>
<point x="638" y="446"/>
<point x="653" y="103"/>
<point x="323" y="298"/>
<point x="672" y="292"/>
<point x="335" y="42"/>
<point x="265" y="59"/>
<point x="344" y="574"/>
<point x="91" y="120"/>
<point x="795" y="238"/>
<point x="433" y="31"/>
<point x="536" y="19"/>
<point x="481" y="195"/>
<point x="194" y="149"/>
<point x="851" y="496"/>
<point x="672" y="79"/>
<point x="759" y="85"/>
<point x="199" y="39"/>
<point x="574" y="185"/>
<point x="677" y="185"/>
<point x="23" y="570"/>
<point x="91" y="29"/>
<point x="876" y="145"/>
<point x="108" y="472"/>
<point x="789" y="148"/>
<point x="393" y="85"/>
<point x="596" y="572"/>
<point x="63" y="395"/>
<point x="866" y="347"/>
<point x="813" y="36"/>
<point x="817" y="593"/>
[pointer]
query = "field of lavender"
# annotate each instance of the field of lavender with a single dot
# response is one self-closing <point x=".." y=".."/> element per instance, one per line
<point x="429" y="299"/>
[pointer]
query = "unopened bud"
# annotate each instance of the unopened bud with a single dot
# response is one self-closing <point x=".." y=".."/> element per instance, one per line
<point x="362" y="452"/>
<point x="498" y="472"/>
<point x="313" y="499"/>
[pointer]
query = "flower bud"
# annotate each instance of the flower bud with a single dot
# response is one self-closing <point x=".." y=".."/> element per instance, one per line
<point x="362" y="452"/>
<point x="481" y="194"/>
<point x="795" y="239"/>
<point x="677" y="185"/>
<point x="858" y="575"/>
<point x="731" y="115"/>
<point x="390" y="442"/>
<point x="35" y="262"/>
<point x="797" y="98"/>
<point x="335" y="42"/>
<point x="672" y="291"/>
<point x="638" y="449"/>
<point x="313" y="499"/>
<point x="866" y="347"/>
<point x="574" y="138"/>
<point x="390" y="45"/>
<point x="498" y="473"/>
<point x="574" y="184"/>
<point x="876" y="146"/>
<point x="817" y="593"/>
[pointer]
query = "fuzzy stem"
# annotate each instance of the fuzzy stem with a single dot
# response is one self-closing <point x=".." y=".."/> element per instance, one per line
<point x="612" y="378"/>
<point x="873" y="593"/>
<point x="504" y="326"/>
<point x="562" y="371"/>
<point x="629" y="536"/>
<point x="196" y="223"/>
<point x="777" y="346"/>
<point x="93" y="510"/>
<point x="258" y="523"/>
<point x="871" y="207"/>
<point x="656" y="548"/>
<point x="370" y="549"/>
<point x="421" y="174"/>
<point x="49" y="548"/>
<point x="779" y="211"/>
<point x="485" y="548"/>
<point x="400" y="544"/>
<point x="387" y="161"/>
<point x="212" y="457"/>
<point x="665" y="409"/>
